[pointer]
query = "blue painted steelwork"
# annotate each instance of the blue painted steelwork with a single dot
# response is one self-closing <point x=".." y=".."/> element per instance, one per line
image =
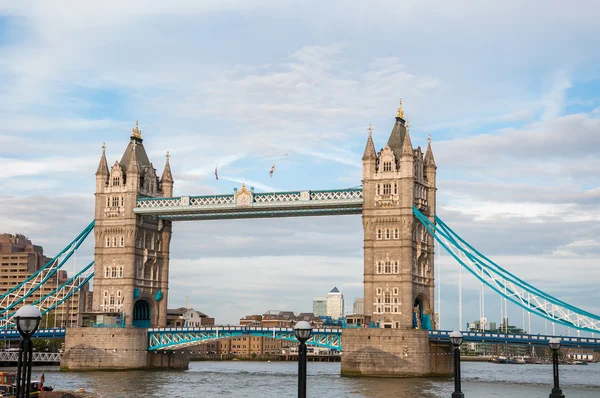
<point x="30" y="285"/>
<point x="506" y="284"/>
<point x="55" y="333"/>
<point x="254" y="205"/>
<point x="509" y="338"/>
<point x="171" y="338"/>
<point x="53" y="299"/>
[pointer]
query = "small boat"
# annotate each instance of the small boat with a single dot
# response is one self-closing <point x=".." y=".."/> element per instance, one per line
<point x="579" y="363"/>
<point x="8" y="385"/>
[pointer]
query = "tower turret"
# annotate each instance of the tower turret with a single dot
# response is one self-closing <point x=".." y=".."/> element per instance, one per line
<point x="166" y="181"/>
<point x="102" y="172"/>
<point x="369" y="158"/>
<point x="133" y="169"/>
<point x="430" y="170"/>
<point x="407" y="156"/>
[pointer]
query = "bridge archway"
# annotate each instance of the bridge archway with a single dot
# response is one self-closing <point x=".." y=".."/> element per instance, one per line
<point x="421" y="313"/>
<point x="142" y="313"/>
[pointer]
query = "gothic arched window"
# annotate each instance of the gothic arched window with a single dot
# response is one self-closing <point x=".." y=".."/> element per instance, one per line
<point x="387" y="234"/>
<point x="379" y="270"/>
<point x="108" y="241"/>
<point x="122" y="241"/>
<point x="379" y="233"/>
<point x="395" y="188"/>
<point x="396" y="233"/>
<point x="387" y="189"/>
<point x="387" y="298"/>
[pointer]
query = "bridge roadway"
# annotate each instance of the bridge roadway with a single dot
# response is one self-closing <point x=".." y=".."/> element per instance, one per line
<point x="172" y="338"/>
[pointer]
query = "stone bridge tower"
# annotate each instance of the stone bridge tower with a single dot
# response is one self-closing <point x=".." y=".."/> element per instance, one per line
<point x="131" y="270"/>
<point x="398" y="251"/>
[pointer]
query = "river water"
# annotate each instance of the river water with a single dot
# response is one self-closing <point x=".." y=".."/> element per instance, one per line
<point x="279" y="379"/>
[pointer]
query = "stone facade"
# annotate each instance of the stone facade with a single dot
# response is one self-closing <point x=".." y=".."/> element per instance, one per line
<point x="394" y="353"/>
<point x="398" y="251"/>
<point x="116" y="348"/>
<point x="131" y="271"/>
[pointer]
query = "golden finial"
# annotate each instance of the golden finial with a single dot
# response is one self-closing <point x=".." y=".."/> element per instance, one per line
<point x="136" y="132"/>
<point x="400" y="111"/>
<point x="370" y="129"/>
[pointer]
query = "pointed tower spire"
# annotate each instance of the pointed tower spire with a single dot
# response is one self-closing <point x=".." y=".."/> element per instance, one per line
<point x="133" y="167"/>
<point x="103" y="166"/>
<point x="398" y="132"/>
<point x="167" y="176"/>
<point x="166" y="181"/>
<point x="370" y="153"/>
<point x="407" y="148"/>
<point x="429" y="160"/>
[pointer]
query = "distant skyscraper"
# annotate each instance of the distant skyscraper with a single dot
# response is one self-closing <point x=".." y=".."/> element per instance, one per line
<point x="335" y="304"/>
<point x="359" y="306"/>
<point x="320" y="306"/>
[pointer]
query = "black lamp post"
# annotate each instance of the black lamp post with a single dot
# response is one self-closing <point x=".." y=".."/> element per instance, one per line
<point x="456" y="338"/>
<point x="27" y="319"/>
<point x="303" y="331"/>
<point x="554" y="343"/>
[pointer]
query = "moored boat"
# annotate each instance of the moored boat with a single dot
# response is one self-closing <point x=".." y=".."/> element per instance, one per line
<point x="8" y="385"/>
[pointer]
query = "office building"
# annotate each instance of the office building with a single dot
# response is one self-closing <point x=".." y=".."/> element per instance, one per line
<point x="19" y="259"/>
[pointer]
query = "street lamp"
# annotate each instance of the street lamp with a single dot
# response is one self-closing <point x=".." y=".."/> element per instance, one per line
<point x="303" y="330"/>
<point x="554" y="343"/>
<point x="456" y="338"/>
<point x="27" y="319"/>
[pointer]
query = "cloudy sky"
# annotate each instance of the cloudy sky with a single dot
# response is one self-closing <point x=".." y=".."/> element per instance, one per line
<point x="509" y="91"/>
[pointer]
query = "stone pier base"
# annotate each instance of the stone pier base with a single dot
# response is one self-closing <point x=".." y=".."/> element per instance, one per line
<point x="394" y="353"/>
<point x="116" y="348"/>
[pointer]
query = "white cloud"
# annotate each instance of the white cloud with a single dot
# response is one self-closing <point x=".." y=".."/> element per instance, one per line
<point x="288" y="80"/>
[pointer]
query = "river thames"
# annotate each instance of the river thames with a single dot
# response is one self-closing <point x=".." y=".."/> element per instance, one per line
<point x="279" y="379"/>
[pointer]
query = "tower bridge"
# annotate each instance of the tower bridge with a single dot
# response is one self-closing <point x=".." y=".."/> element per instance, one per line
<point x="134" y="213"/>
